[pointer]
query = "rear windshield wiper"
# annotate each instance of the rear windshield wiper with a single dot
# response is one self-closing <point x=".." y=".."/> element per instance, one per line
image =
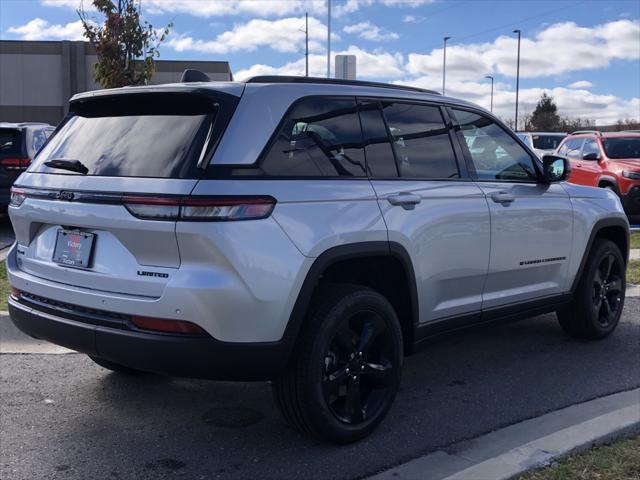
<point x="64" y="164"/>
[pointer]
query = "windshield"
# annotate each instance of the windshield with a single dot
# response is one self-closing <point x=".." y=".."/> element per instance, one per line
<point x="159" y="136"/>
<point x="622" y="147"/>
<point x="547" y="142"/>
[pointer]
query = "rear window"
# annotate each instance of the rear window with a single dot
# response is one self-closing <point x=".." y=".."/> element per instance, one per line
<point x="10" y="142"/>
<point x="546" y="142"/>
<point x="142" y="135"/>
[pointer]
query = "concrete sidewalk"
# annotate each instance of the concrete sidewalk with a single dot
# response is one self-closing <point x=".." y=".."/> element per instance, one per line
<point x="509" y="452"/>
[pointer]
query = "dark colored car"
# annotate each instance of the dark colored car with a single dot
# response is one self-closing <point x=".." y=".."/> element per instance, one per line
<point x="19" y="143"/>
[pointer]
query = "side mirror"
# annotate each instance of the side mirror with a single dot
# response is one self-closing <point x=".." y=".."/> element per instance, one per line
<point x="591" y="156"/>
<point x="555" y="168"/>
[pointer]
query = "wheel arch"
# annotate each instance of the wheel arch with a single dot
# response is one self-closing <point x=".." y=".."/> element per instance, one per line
<point x="614" y="229"/>
<point x="606" y="180"/>
<point x="363" y="258"/>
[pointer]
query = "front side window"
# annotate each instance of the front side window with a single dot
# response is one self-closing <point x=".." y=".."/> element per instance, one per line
<point x="320" y="137"/>
<point x="494" y="153"/>
<point x="421" y="141"/>
<point x="591" y="147"/>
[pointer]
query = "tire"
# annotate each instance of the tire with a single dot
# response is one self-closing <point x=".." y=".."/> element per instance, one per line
<point x="329" y="390"/>
<point x="598" y="300"/>
<point x="116" y="367"/>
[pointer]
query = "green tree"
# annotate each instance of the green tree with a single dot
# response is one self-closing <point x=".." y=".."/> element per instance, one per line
<point x="545" y="116"/>
<point x="126" y="46"/>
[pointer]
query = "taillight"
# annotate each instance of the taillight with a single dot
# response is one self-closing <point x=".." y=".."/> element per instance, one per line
<point x="200" y="208"/>
<point x="167" y="326"/>
<point x="15" y="163"/>
<point x="17" y="197"/>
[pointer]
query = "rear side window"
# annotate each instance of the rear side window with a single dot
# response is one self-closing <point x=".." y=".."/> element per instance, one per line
<point x="144" y="135"/>
<point x="10" y="142"/>
<point x="319" y="137"/>
<point x="421" y="141"/>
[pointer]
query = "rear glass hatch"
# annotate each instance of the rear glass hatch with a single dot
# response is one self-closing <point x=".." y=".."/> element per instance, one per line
<point x="13" y="157"/>
<point x="144" y="148"/>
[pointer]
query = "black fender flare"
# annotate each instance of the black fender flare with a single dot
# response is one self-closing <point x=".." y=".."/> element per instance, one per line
<point x="337" y="254"/>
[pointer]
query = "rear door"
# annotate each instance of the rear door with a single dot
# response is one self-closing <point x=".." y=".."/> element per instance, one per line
<point x="531" y="222"/>
<point x="430" y="208"/>
<point x="140" y="152"/>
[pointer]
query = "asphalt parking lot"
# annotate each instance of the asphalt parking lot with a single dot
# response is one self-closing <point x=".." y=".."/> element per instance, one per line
<point x="64" y="417"/>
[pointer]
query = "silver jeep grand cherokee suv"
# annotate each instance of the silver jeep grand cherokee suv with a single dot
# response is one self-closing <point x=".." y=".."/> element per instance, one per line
<point x="309" y="232"/>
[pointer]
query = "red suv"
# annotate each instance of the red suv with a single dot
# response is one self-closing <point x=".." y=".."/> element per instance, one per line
<point x="607" y="160"/>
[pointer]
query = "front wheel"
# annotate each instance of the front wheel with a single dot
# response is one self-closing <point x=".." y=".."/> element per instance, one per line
<point x="345" y="372"/>
<point x="597" y="306"/>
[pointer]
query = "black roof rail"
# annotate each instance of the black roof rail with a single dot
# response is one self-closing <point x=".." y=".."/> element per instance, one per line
<point x="333" y="81"/>
<point x="190" y="75"/>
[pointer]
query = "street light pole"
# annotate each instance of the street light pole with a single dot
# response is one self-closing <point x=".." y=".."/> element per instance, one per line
<point x="328" y="38"/>
<point x="306" y="45"/>
<point x="517" y="79"/>
<point x="444" y="62"/>
<point x="491" y="78"/>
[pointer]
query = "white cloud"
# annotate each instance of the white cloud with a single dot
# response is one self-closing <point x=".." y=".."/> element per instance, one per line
<point x="580" y="84"/>
<point x="73" y="4"/>
<point x="283" y="35"/>
<point x="376" y="64"/>
<point x="412" y="19"/>
<point x="558" y="49"/>
<point x="39" y="29"/>
<point x="369" y="31"/>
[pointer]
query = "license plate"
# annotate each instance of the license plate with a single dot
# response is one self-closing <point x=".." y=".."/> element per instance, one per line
<point x="73" y="248"/>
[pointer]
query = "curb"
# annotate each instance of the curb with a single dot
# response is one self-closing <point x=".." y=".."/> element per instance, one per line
<point x="512" y="451"/>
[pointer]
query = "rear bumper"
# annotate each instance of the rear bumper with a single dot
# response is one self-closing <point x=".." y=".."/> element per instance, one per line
<point x="177" y="355"/>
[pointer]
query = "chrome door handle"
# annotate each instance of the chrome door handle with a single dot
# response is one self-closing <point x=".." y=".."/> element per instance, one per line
<point x="504" y="198"/>
<point x="406" y="200"/>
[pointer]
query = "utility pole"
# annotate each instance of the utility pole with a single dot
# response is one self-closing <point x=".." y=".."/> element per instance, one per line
<point x="517" y="79"/>
<point x="306" y="45"/>
<point x="491" y="78"/>
<point x="328" y="38"/>
<point x="444" y="62"/>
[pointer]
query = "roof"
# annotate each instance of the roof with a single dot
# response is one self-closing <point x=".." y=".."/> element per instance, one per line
<point x="564" y="134"/>
<point x="586" y="133"/>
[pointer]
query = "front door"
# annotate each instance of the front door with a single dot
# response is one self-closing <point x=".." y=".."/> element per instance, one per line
<point x="439" y="217"/>
<point x="531" y="221"/>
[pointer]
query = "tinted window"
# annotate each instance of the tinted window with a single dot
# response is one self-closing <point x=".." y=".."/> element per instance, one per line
<point x="571" y="148"/>
<point x="320" y="136"/>
<point x="421" y="141"/>
<point x="622" y="147"/>
<point x="155" y="136"/>
<point x="590" y="146"/>
<point x="39" y="137"/>
<point x="546" y="142"/>
<point x="378" y="150"/>
<point x="494" y="153"/>
<point x="10" y="142"/>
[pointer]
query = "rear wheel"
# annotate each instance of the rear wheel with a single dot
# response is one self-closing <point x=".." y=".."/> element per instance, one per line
<point x="599" y="298"/>
<point x="345" y="372"/>
<point x="116" y="367"/>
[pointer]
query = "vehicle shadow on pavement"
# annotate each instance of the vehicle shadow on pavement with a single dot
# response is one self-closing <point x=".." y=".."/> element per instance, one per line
<point x="103" y="425"/>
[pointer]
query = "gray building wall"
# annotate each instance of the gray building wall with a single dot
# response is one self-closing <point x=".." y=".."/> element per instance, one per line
<point x="38" y="78"/>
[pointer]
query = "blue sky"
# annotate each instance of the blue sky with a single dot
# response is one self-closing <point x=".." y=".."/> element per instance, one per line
<point x="585" y="53"/>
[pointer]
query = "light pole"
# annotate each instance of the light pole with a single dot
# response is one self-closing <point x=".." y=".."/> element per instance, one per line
<point x="491" y="78"/>
<point x="306" y="45"/>
<point x="444" y="62"/>
<point x="517" y="80"/>
<point x="328" y="38"/>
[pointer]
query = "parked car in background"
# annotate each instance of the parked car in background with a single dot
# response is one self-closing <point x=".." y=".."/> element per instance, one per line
<point x="19" y="143"/>
<point x="542" y="142"/>
<point x="607" y="160"/>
